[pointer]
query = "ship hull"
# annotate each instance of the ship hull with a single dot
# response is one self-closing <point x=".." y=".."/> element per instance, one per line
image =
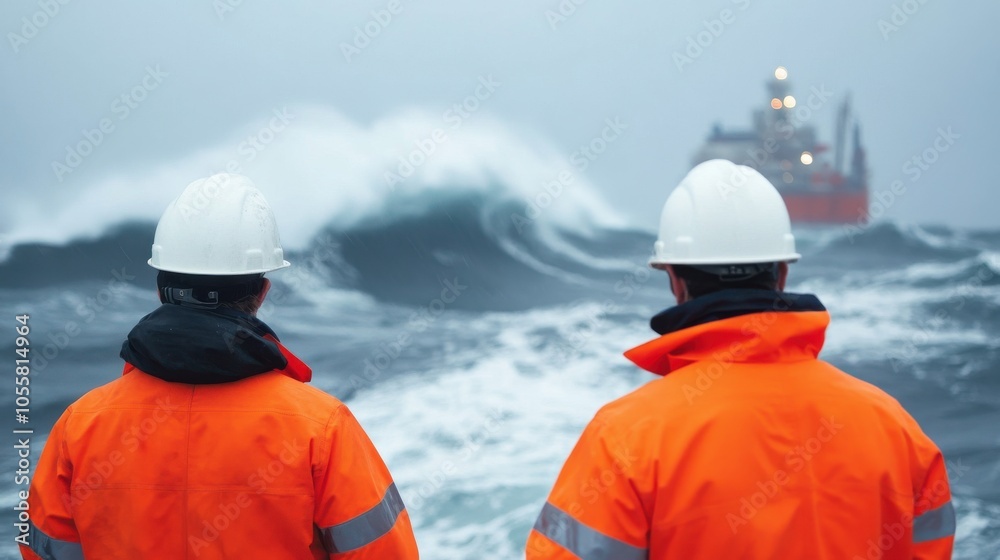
<point x="827" y="208"/>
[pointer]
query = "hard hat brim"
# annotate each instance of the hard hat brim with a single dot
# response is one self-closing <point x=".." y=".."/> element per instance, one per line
<point x="788" y="258"/>
<point x="204" y="272"/>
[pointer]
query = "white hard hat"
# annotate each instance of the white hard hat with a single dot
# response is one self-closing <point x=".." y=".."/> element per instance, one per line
<point x="219" y="226"/>
<point x="723" y="213"/>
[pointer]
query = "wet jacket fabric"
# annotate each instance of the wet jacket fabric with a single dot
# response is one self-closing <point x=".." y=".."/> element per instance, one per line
<point x="748" y="447"/>
<point x="254" y="463"/>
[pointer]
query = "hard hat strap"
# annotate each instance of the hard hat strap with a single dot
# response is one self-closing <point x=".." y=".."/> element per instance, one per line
<point x="186" y="297"/>
<point x="737" y="272"/>
<point x="207" y="292"/>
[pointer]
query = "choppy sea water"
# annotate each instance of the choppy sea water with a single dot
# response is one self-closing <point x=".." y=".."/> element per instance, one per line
<point x="474" y="353"/>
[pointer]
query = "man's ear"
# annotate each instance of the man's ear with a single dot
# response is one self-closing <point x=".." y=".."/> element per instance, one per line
<point x="677" y="285"/>
<point x="782" y="275"/>
<point x="264" y="288"/>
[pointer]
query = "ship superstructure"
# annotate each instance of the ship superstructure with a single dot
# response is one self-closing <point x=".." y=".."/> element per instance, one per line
<point x="783" y="146"/>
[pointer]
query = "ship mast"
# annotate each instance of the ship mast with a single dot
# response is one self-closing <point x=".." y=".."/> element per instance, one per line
<point x="841" y="132"/>
<point x="859" y="167"/>
<point x="780" y="98"/>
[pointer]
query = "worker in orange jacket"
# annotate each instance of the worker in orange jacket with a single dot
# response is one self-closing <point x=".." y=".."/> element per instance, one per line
<point x="211" y="445"/>
<point x="749" y="446"/>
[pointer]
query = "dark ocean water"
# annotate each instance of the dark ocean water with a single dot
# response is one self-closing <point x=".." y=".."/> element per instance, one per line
<point x="513" y="339"/>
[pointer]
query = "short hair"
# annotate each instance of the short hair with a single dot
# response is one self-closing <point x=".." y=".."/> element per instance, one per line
<point x="237" y="292"/>
<point x="701" y="280"/>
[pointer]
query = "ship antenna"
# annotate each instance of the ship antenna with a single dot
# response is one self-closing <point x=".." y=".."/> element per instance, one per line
<point x="841" y="133"/>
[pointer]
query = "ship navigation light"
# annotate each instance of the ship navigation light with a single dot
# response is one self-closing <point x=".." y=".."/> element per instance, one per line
<point x="776" y="103"/>
<point x="807" y="158"/>
<point x="789" y="101"/>
<point x="780" y="73"/>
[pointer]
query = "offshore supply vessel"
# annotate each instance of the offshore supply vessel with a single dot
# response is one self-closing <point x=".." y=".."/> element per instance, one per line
<point x="783" y="148"/>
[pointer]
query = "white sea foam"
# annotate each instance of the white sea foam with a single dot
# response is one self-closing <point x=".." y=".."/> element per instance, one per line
<point x="977" y="536"/>
<point x="324" y="168"/>
<point x="475" y="448"/>
<point x="476" y="443"/>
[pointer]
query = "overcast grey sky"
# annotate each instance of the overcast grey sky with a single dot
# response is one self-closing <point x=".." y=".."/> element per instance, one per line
<point x="225" y="64"/>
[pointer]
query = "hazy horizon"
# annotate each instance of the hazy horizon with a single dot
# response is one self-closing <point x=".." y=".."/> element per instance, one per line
<point x="208" y="72"/>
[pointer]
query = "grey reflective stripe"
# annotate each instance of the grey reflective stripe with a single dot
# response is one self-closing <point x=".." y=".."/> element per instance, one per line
<point x="367" y="527"/>
<point x="581" y="540"/>
<point x="934" y="524"/>
<point x="52" y="549"/>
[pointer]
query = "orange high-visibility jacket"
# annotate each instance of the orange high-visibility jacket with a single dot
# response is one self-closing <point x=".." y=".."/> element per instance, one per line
<point x="265" y="467"/>
<point x="751" y="448"/>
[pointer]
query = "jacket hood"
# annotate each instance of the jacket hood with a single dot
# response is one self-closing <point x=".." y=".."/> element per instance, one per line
<point x="199" y="346"/>
<point x="735" y="326"/>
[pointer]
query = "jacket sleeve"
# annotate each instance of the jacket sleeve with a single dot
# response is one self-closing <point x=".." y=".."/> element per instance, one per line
<point x="359" y="512"/>
<point x="934" y="515"/>
<point x="594" y="511"/>
<point x="52" y="533"/>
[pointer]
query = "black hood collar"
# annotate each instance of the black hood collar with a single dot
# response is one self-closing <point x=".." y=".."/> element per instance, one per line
<point x="187" y="345"/>
<point x="730" y="303"/>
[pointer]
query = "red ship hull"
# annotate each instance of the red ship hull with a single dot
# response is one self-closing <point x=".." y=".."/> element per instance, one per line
<point x="827" y="208"/>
